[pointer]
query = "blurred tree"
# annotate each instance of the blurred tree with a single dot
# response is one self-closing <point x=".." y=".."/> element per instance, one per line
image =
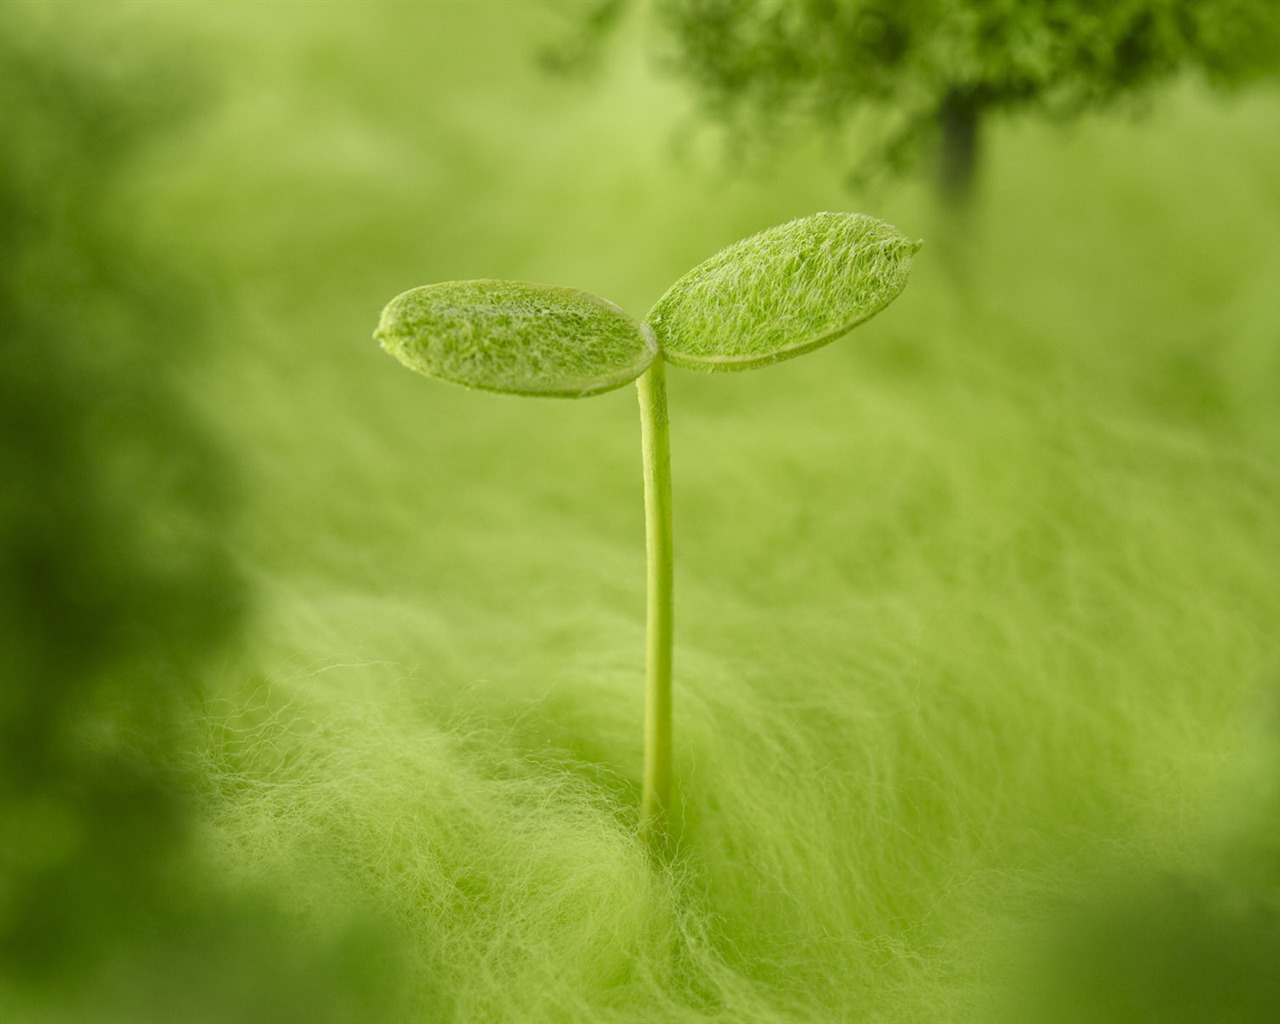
<point x="930" y="74"/>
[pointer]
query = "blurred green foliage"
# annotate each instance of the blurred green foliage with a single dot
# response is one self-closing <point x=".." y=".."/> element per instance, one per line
<point x="115" y="581"/>
<point x="1173" y="949"/>
<point x="935" y="72"/>
<point x="1197" y="945"/>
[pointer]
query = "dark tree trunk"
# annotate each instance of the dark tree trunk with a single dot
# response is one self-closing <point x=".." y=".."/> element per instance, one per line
<point x="958" y="156"/>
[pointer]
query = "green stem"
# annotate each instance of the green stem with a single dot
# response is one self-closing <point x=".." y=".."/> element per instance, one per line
<point x="655" y="442"/>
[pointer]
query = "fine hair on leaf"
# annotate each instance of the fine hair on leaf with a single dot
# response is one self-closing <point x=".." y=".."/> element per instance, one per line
<point x="782" y="292"/>
<point x="516" y="338"/>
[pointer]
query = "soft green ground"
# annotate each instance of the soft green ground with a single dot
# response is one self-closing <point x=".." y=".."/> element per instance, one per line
<point x="976" y="609"/>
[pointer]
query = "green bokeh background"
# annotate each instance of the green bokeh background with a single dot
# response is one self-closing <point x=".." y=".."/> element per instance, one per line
<point x="334" y="710"/>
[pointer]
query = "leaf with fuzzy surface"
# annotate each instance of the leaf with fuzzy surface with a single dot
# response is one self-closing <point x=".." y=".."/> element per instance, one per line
<point x="782" y="292"/>
<point x="515" y="338"/>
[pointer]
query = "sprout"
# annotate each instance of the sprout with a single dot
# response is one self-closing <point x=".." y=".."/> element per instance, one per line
<point x="778" y="294"/>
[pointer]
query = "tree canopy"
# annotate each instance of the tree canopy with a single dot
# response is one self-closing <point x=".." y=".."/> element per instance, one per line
<point x="928" y="74"/>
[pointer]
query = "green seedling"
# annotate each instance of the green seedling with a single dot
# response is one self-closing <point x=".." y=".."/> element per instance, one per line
<point x="778" y="294"/>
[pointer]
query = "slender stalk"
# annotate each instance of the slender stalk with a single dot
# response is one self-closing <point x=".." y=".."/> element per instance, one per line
<point x="655" y="443"/>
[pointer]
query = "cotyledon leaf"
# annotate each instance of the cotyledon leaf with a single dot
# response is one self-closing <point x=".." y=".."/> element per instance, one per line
<point x="516" y="338"/>
<point x="782" y="292"/>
